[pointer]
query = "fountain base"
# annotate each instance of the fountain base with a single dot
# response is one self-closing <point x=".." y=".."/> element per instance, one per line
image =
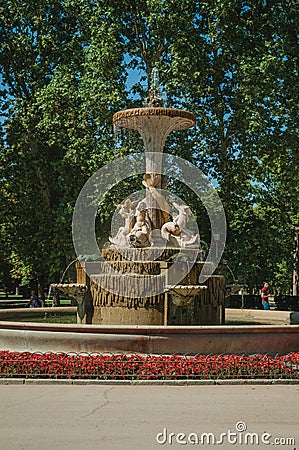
<point x="186" y="303"/>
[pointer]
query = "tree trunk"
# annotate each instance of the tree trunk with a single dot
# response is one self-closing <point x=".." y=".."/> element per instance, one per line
<point x="56" y="298"/>
<point x="41" y="290"/>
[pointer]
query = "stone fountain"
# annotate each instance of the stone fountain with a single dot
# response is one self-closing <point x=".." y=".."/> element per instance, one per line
<point x="154" y="235"/>
<point x="150" y="275"/>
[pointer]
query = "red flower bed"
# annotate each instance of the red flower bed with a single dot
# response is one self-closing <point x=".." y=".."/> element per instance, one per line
<point x="150" y="367"/>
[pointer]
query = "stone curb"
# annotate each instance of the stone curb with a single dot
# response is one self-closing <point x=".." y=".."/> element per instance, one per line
<point x="186" y="382"/>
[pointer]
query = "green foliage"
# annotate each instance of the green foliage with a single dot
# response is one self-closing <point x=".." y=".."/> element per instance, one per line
<point x="61" y="84"/>
<point x="235" y="64"/>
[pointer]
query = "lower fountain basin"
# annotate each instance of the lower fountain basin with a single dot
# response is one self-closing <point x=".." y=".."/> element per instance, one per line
<point x="182" y="295"/>
<point x="73" y="290"/>
<point x="36" y="337"/>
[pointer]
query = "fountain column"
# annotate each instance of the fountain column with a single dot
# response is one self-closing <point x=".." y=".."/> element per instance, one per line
<point x="154" y="124"/>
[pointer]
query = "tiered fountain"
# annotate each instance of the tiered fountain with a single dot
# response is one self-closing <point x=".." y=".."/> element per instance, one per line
<point x="153" y="259"/>
<point x="152" y="273"/>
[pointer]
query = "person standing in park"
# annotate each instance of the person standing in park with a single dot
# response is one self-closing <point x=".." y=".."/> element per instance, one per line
<point x="265" y="296"/>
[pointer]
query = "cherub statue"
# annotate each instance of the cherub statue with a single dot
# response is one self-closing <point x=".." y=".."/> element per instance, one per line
<point x="126" y="212"/>
<point x="177" y="228"/>
<point x="139" y="235"/>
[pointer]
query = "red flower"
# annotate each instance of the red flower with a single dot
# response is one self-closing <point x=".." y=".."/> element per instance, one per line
<point x="121" y="366"/>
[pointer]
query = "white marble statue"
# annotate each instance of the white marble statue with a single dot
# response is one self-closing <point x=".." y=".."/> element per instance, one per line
<point x="151" y="181"/>
<point x="139" y="235"/>
<point x="177" y="229"/>
<point x="126" y="212"/>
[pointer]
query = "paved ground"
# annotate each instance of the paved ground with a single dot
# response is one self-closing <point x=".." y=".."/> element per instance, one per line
<point x="75" y="417"/>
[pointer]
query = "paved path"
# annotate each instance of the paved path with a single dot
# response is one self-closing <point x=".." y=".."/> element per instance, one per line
<point x="110" y="417"/>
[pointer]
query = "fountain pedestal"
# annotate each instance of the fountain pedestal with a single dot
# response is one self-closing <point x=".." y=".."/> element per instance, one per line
<point x="185" y="304"/>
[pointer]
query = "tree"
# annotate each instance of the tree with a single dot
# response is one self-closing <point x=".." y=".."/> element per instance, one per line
<point x="61" y="79"/>
<point x="240" y="120"/>
<point x="234" y="64"/>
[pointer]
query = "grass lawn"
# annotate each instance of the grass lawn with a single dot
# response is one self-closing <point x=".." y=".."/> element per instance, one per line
<point x="12" y="298"/>
<point x="50" y="318"/>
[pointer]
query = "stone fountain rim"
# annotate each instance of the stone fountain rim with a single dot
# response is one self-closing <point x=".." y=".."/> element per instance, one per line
<point x="151" y="111"/>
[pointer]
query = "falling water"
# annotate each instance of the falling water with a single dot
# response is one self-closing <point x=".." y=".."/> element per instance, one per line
<point x="72" y="262"/>
<point x="232" y="274"/>
<point x="117" y="134"/>
<point x="155" y="83"/>
<point x="49" y="293"/>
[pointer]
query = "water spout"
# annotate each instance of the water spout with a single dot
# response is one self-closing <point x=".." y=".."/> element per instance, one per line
<point x="154" y="98"/>
<point x="232" y="274"/>
<point x="72" y="262"/>
<point x="155" y="83"/>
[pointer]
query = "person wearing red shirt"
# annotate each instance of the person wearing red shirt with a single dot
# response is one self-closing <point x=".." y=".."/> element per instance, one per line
<point x="265" y="296"/>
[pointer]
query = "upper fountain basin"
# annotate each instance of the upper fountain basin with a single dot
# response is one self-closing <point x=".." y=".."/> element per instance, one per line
<point x="154" y="124"/>
<point x="176" y="119"/>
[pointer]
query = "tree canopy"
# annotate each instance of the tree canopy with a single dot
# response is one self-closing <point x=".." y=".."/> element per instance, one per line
<point x="64" y="67"/>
